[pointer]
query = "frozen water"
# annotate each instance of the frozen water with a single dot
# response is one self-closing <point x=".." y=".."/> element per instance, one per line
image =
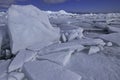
<point x="94" y="67"/>
<point x="48" y="71"/>
<point x="113" y="37"/>
<point x="4" y="77"/>
<point x="60" y="52"/>
<point x="4" y="67"/>
<point x="32" y="26"/>
<point x="89" y="42"/>
<point x="22" y="57"/>
<point x="60" y="57"/>
<point x="61" y="46"/>
<point x="93" y="49"/>
<point x="16" y="75"/>
<point x="114" y="29"/>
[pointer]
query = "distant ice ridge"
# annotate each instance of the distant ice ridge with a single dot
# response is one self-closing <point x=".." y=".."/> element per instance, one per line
<point x="61" y="12"/>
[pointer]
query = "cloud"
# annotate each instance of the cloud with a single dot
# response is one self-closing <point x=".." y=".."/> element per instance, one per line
<point x="6" y="3"/>
<point x="22" y="0"/>
<point x="54" y="1"/>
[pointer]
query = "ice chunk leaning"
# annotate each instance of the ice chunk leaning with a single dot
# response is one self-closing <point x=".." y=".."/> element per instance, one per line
<point x="46" y="70"/>
<point x="4" y="67"/>
<point x="28" y="25"/>
<point x="22" y="57"/>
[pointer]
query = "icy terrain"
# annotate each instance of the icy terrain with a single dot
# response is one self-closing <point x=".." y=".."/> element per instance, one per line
<point x="46" y="45"/>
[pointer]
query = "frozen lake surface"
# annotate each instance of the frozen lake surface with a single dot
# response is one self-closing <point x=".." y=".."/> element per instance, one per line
<point x="46" y="45"/>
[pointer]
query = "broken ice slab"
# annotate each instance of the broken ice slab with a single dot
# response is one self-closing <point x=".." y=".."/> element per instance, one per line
<point x="38" y="46"/>
<point x="59" y="57"/>
<point x="4" y="77"/>
<point x="89" y="42"/>
<point x="61" y="46"/>
<point x="113" y="29"/>
<point x="100" y="25"/>
<point x="29" y="21"/>
<point x="113" y="37"/>
<point x="4" y="64"/>
<point x="16" y="75"/>
<point x="114" y="21"/>
<point x="1" y="39"/>
<point x="94" y="49"/>
<point x="11" y="78"/>
<point x="46" y="70"/>
<point x="22" y="57"/>
<point x="113" y="51"/>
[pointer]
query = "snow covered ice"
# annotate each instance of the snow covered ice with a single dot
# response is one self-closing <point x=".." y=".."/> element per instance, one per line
<point x="48" y="71"/>
<point x="47" y="45"/>
<point x="32" y="27"/>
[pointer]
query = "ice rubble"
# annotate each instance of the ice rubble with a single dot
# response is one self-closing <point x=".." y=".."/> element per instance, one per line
<point x="24" y="21"/>
<point x="40" y="58"/>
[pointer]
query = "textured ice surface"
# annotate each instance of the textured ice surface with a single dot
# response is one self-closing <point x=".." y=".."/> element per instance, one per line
<point x="59" y="57"/>
<point x="95" y="67"/>
<point x="48" y="55"/>
<point x="61" y="46"/>
<point x="89" y="42"/>
<point x="114" y="29"/>
<point x="4" y="77"/>
<point x="22" y="57"/>
<point x="113" y="37"/>
<point x="24" y="21"/>
<point x="46" y="70"/>
<point x="4" y="67"/>
<point x="16" y="75"/>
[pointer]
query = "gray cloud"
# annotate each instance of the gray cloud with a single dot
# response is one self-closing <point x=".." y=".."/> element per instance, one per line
<point x="6" y="3"/>
<point x="54" y="1"/>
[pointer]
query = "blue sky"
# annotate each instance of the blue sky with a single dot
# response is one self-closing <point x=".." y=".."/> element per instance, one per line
<point x="73" y="5"/>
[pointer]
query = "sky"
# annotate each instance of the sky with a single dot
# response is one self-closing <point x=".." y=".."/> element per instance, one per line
<point x="68" y="5"/>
